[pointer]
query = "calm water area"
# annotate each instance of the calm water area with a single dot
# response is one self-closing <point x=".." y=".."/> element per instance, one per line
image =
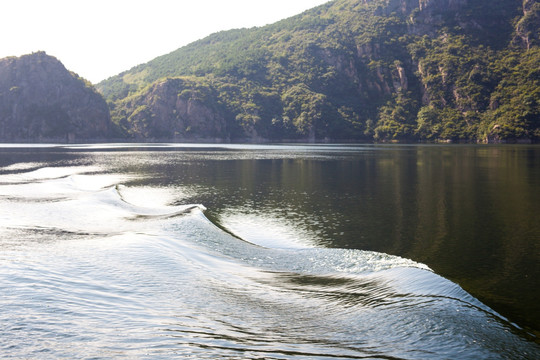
<point x="198" y="251"/>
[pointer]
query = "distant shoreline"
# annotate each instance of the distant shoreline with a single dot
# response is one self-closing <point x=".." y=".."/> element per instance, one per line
<point x="261" y="142"/>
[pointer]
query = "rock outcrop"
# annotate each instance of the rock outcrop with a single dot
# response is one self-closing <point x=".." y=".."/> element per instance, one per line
<point x="528" y="27"/>
<point x="383" y="70"/>
<point x="174" y="109"/>
<point x="40" y="100"/>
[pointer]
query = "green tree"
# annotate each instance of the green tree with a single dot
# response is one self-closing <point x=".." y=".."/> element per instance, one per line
<point x="397" y="119"/>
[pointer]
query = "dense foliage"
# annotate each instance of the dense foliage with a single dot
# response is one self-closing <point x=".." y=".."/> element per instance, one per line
<point x="409" y="70"/>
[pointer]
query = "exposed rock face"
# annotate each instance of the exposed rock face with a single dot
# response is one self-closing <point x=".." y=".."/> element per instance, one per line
<point x="405" y="7"/>
<point x="352" y="69"/>
<point x="528" y="28"/>
<point x="40" y="100"/>
<point x="175" y="109"/>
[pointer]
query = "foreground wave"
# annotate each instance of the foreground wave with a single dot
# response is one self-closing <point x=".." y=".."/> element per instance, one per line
<point x="94" y="269"/>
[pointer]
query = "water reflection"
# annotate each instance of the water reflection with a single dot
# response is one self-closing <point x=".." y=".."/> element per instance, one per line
<point x="468" y="212"/>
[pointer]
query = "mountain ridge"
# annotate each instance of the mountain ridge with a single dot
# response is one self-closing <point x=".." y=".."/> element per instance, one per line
<point x="359" y="70"/>
<point x="347" y="70"/>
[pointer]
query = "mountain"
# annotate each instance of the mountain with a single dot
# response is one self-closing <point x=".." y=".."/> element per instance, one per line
<point x="384" y="70"/>
<point x="42" y="101"/>
<point x="348" y="70"/>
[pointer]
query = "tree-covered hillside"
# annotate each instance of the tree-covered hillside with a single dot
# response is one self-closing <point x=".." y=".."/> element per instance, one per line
<point x="437" y="70"/>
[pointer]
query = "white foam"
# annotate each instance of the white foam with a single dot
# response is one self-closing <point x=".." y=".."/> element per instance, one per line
<point x="22" y="166"/>
<point x="57" y="172"/>
<point x="267" y="231"/>
<point x="149" y="196"/>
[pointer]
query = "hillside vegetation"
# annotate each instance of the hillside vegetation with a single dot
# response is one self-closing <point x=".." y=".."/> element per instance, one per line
<point x="383" y="70"/>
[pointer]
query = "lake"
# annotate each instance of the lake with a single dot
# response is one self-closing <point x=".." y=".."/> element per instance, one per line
<point x="269" y="251"/>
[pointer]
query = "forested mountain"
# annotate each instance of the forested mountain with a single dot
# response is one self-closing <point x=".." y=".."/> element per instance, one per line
<point x="437" y="70"/>
<point x="40" y="100"/>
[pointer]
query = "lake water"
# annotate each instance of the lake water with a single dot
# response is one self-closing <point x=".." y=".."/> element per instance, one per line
<point x="269" y="252"/>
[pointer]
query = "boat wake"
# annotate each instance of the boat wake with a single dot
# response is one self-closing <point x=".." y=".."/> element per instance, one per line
<point x="96" y="269"/>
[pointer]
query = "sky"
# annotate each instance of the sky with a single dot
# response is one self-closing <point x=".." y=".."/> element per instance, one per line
<point x="100" y="38"/>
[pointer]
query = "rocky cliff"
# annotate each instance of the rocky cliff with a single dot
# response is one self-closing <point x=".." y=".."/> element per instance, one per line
<point x="174" y="109"/>
<point x="528" y="27"/>
<point x="384" y="70"/>
<point x="42" y="101"/>
<point x="358" y="70"/>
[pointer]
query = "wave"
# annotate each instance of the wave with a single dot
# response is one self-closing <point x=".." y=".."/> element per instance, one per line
<point x="167" y="279"/>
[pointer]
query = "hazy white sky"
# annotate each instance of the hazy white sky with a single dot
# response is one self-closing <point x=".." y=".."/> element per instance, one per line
<point x="100" y="38"/>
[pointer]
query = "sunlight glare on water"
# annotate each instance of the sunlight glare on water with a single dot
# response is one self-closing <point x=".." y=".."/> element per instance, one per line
<point x="100" y="261"/>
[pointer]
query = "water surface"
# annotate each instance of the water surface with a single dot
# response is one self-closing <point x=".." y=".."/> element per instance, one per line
<point x="275" y="252"/>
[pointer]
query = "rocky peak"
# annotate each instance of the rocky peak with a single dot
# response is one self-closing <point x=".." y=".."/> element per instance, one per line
<point x="41" y="100"/>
